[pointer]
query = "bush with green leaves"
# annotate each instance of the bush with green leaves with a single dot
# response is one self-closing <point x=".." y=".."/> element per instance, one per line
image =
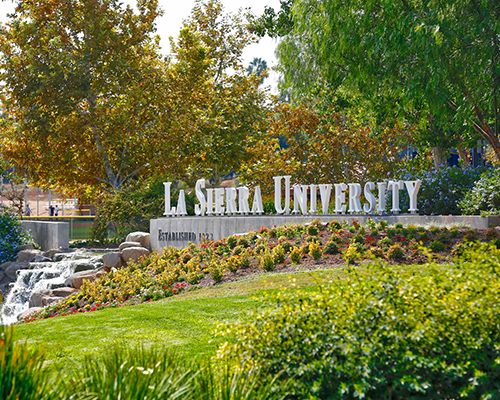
<point x="132" y="208"/>
<point x="384" y="331"/>
<point x="484" y="197"/>
<point x="11" y="236"/>
<point x="441" y="190"/>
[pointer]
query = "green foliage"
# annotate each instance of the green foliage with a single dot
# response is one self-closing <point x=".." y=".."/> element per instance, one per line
<point x="278" y="254"/>
<point x="484" y="197"/>
<point x="384" y="243"/>
<point x="266" y="261"/>
<point x="358" y="238"/>
<point x="271" y="22"/>
<point x="244" y="242"/>
<point x="232" y="241"/>
<point x="331" y="247"/>
<point x="382" y="225"/>
<point x="296" y="255"/>
<point x="21" y="375"/>
<point x="11" y="236"/>
<point x="437" y="245"/>
<point x="407" y="59"/>
<point x="334" y="225"/>
<point x="312" y="230"/>
<point x="351" y="254"/>
<point x="132" y="208"/>
<point x="395" y="252"/>
<point x="384" y="331"/>
<point x="491" y="234"/>
<point x="217" y="269"/>
<point x="376" y="252"/>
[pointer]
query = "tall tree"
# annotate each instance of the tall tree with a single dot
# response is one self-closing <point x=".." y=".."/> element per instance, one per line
<point x="83" y="84"/>
<point x="438" y="59"/>
<point x="229" y="110"/>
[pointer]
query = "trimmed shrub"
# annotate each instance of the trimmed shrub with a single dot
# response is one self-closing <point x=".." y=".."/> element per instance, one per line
<point x="278" y="254"/>
<point x="376" y="252"/>
<point x="231" y="242"/>
<point x="312" y="230"/>
<point x="266" y="261"/>
<point x="315" y="251"/>
<point x="296" y="255"/>
<point x="331" y="248"/>
<point x="334" y="225"/>
<point x="395" y="252"/>
<point x="383" y="332"/>
<point x="437" y="245"/>
<point x="336" y="238"/>
<point x="217" y="269"/>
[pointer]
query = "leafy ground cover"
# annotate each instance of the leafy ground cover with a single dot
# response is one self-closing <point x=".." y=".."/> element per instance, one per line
<point x="280" y="249"/>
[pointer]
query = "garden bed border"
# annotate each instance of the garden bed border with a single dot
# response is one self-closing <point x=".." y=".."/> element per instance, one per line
<point x="179" y="231"/>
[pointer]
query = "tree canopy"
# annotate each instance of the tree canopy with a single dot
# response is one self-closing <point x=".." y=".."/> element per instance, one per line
<point x="92" y="104"/>
<point x="83" y="86"/>
<point x="432" y="62"/>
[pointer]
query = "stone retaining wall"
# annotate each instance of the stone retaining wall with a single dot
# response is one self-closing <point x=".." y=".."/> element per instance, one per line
<point x="48" y="235"/>
<point x="180" y="231"/>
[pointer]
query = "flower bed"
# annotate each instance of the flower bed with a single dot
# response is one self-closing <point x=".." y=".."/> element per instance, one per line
<point x="281" y="249"/>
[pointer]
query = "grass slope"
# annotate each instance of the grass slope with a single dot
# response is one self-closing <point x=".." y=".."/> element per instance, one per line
<point x="185" y="322"/>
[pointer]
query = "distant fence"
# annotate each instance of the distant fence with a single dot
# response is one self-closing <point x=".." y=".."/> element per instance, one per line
<point x="79" y="226"/>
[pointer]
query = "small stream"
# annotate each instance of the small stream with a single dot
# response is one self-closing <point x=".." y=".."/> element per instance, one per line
<point x="43" y="275"/>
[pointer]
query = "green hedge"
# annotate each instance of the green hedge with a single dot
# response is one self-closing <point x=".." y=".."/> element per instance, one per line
<point x="385" y="332"/>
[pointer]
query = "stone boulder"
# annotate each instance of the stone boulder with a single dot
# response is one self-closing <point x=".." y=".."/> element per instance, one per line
<point x="11" y="271"/>
<point x="126" y="245"/>
<point x="83" y="265"/>
<point x="58" y="257"/>
<point x="28" y="255"/>
<point x="39" y="299"/>
<point x="139" y="237"/>
<point x="64" y="291"/>
<point x="28" y="312"/>
<point x="5" y="265"/>
<point x="50" y="253"/>
<point x="76" y="280"/>
<point x="26" y="247"/>
<point x="41" y="259"/>
<point x="133" y="253"/>
<point x="112" y="260"/>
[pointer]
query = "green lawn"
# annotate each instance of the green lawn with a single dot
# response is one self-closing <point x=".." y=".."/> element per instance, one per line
<point x="185" y="322"/>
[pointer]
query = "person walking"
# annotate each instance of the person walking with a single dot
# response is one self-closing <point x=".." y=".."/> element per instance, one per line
<point x="28" y="210"/>
<point x="51" y="210"/>
<point x="56" y="211"/>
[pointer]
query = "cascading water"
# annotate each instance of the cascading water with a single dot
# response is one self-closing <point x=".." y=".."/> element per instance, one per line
<point x="40" y="276"/>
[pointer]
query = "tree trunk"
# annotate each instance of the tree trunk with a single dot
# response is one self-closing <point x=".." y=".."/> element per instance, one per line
<point x="463" y="155"/>
<point x="440" y="157"/>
